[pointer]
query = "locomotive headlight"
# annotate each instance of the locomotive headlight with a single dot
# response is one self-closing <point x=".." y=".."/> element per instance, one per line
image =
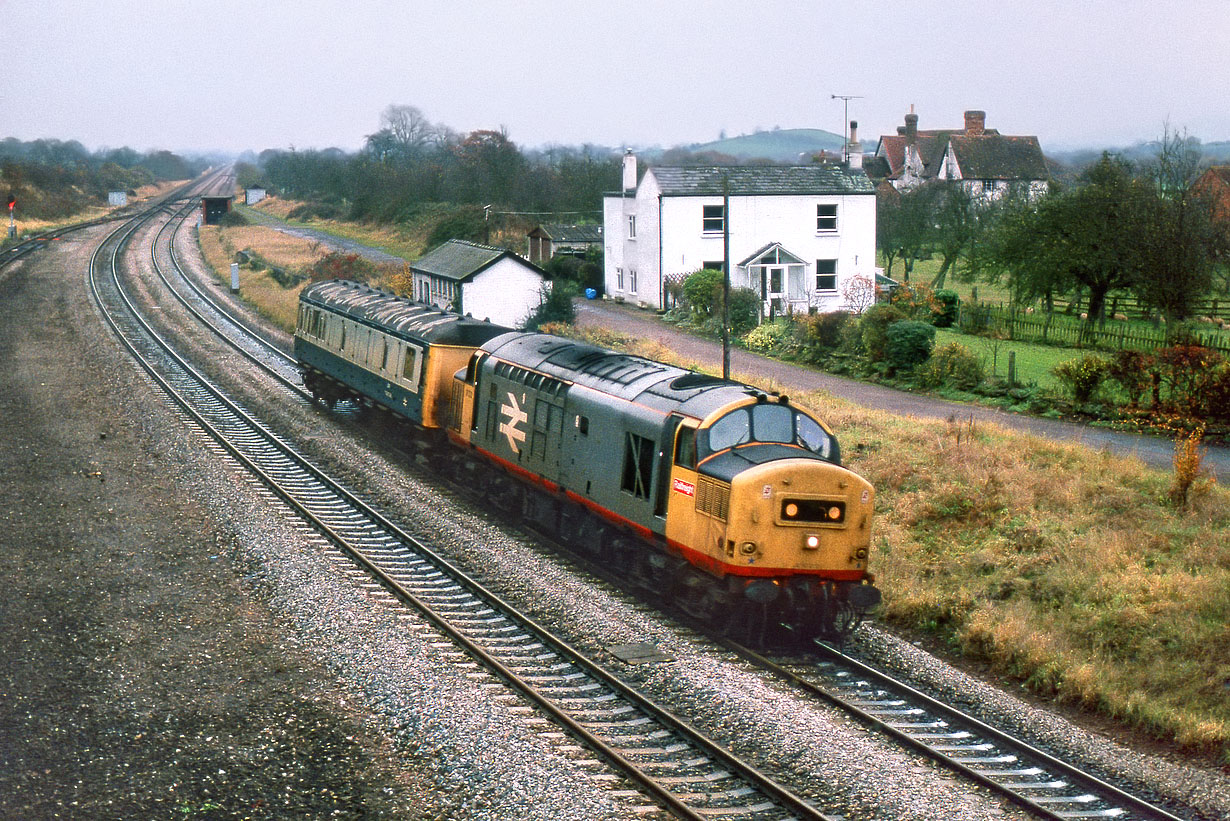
<point x="748" y="548"/>
<point x="791" y="510"/>
<point x="834" y="513"/>
<point x="813" y="541"/>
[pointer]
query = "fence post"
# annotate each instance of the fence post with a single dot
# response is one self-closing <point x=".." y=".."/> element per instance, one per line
<point x="1012" y="369"/>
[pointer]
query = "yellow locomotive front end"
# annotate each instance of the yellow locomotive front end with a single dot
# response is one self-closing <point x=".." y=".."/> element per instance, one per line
<point x="764" y="503"/>
<point x="801" y="516"/>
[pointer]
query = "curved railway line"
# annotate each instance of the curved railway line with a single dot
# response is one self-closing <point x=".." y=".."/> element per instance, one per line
<point x="673" y="766"/>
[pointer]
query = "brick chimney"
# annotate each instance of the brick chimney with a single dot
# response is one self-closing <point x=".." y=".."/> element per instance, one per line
<point x="975" y="123"/>
<point x="911" y="126"/>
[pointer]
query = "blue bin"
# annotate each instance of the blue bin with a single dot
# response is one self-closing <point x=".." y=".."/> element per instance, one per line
<point x="591" y="293"/>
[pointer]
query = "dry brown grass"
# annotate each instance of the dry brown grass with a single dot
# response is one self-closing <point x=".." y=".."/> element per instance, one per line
<point x="258" y="288"/>
<point x="1068" y="569"/>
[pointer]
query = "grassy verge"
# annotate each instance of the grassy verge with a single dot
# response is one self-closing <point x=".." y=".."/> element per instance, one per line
<point x="1065" y="569"/>
<point x="278" y="304"/>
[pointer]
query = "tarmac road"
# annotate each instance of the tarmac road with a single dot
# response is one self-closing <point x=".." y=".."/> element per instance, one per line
<point x="1152" y="450"/>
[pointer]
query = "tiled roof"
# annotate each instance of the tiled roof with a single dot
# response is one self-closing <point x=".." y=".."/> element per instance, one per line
<point x="996" y="157"/>
<point x="573" y="233"/>
<point x="759" y="180"/>
<point x="460" y="260"/>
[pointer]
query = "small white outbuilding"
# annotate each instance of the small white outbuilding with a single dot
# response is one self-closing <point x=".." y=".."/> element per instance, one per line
<point x="484" y="282"/>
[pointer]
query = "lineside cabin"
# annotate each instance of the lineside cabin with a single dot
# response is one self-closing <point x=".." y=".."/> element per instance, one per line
<point x="479" y="281"/>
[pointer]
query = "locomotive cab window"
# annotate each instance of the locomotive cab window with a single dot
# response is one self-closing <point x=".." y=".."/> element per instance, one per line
<point x="685" y="447"/>
<point x="767" y="423"/>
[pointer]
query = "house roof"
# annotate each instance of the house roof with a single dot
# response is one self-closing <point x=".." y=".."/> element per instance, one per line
<point x="764" y="249"/>
<point x="997" y="157"/>
<point x="758" y="180"/>
<point x="558" y="232"/>
<point x="1220" y="173"/>
<point x="462" y="261"/>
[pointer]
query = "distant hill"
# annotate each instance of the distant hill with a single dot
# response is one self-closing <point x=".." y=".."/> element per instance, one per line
<point x="783" y="145"/>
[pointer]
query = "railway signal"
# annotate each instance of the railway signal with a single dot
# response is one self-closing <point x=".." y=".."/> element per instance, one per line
<point x="12" y="225"/>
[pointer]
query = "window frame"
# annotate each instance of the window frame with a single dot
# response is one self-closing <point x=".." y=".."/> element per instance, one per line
<point x="826" y="223"/>
<point x="711" y="224"/>
<point x="824" y="263"/>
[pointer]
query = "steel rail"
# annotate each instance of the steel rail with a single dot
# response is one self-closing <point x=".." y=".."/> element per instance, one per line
<point x="1025" y="774"/>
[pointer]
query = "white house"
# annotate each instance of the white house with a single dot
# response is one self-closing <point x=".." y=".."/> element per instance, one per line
<point x="484" y="282"/>
<point x="797" y="234"/>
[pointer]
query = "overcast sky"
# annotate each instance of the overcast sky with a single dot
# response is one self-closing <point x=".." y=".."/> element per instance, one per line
<point x="240" y="74"/>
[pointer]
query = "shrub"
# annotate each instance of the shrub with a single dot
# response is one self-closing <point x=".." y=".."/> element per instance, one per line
<point x="821" y="334"/>
<point x="1218" y="394"/>
<point x="771" y="337"/>
<point x="1187" y="372"/>
<point x="908" y="343"/>
<point x="1081" y="376"/>
<point x="464" y="223"/>
<point x="703" y="292"/>
<point x="1131" y="370"/>
<point x="944" y="308"/>
<point x="874" y="323"/>
<point x="556" y="306"/>
<point x="951" y="364"/>
<point x="744" y="310"/>
<point x="336" y="265"/>
<point x="232" y="219"/>
<point x="914" y="301"/>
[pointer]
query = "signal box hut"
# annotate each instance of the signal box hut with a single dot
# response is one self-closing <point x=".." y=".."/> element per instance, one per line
<point x="480" y="281"/>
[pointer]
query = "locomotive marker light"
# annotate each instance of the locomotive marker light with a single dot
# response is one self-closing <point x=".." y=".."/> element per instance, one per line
<point x="515" y="417"/>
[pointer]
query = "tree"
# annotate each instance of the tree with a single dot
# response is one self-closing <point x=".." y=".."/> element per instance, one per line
<point x="1181" y="245"/>
<point x="955" y="227"/>
<point x="1088" y="236"/>
<point x="915" y="228"/>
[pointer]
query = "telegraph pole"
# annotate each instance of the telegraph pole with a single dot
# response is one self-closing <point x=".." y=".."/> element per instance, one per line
<point x="845" y="122"/>
<point x="726" y="276"/>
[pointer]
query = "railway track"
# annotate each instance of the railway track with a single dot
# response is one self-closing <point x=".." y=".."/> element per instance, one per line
<point x="1038" y="781"/>
<point x="669" y="764"/>
<point x="1046" y="786"/>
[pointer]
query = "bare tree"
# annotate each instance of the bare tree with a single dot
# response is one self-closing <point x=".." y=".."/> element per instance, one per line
<point x="859" y="293"/>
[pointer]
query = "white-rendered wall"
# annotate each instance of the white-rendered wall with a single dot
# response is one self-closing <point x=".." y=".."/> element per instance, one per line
<point x="758" y="221"/>
<point x="506" y="293"/>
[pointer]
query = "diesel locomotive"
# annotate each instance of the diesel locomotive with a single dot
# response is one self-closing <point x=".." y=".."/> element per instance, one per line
<point x="730" y="502"/>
